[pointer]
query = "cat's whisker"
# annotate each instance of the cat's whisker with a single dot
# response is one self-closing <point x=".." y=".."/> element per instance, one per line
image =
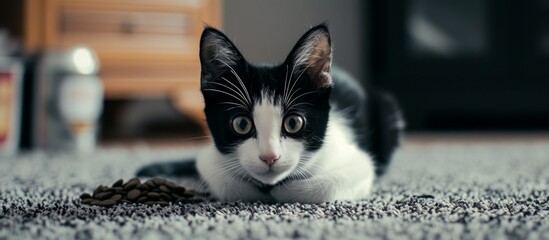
<point x="233" y="103"/>
<point x="235" y="91"/>
<point x="303" y="94"/>
<point x="238" y="78"/>
<point x="232" y="168"/>
<point x="213" y="176"/>
<point x="226" y="176"/>
<point x="307" y="175"/>
<point x="325" y="175"/>
<point x="232" y="175"/>
<point x="291" y="91"/>
<point x="242" y="84"/>
<point x="221" y="91"/>
<point x="299" y="174"/>
<point x="241" y="175"/>
<point x="231" y="108"/>
<point x="201" y="186"/>
<point x="229" y="166"/>
<point x="284" y="184"/>
<point x="299" y="104"/>
<point x="289" y="80"/>
<point x="232" y="159"/>
<point x="223" y="169"/>
<point x="285" y="83"/>
<point x="242" y="93"/>
<point x="294" y="92"/>
<point x="297" y="79"/>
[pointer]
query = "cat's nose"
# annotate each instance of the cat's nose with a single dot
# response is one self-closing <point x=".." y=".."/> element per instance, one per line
<point x="269" y="159"/>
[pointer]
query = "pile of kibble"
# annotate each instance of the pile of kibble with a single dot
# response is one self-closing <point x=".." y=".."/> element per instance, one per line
<point x="153" y="191"/>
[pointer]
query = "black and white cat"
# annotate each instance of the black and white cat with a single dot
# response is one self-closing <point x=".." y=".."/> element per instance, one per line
<point x="300" y="131"/>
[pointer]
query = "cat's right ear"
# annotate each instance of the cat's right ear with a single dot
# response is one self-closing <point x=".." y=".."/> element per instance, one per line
<point x="313" y="54"/>
<point x="217" y="53"/>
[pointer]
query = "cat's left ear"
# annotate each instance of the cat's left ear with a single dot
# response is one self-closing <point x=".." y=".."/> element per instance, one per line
<point x="217" y="53"/>
<point x="313" y="54"/>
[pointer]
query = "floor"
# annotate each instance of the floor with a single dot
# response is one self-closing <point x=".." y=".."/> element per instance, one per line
<point x="440" y="186"/>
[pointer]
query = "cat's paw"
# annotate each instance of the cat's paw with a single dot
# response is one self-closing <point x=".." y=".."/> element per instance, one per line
<point x="305" y="191"/>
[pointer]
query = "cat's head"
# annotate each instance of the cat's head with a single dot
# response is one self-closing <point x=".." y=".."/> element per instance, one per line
<point x="268" y="118"/>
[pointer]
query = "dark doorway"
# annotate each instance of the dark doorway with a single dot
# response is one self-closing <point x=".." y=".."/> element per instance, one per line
<point x="463" y="65"/>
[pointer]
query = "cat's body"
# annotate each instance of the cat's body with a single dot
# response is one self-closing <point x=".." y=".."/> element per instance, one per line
<point x="294" y="132"/>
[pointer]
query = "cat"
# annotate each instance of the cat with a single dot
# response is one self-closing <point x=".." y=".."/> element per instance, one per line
<point x="301" y="131"/>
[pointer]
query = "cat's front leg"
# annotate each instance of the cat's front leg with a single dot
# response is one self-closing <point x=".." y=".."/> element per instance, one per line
<point x="351" y="182"/>
<point x="222" y="181"/>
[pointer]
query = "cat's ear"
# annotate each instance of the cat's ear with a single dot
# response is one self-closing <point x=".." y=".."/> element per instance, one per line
<point x="313" y="54"/>
<point x="217" y="53"/>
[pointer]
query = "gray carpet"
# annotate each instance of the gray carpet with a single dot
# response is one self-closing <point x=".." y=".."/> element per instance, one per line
<point x="434" y="191"/>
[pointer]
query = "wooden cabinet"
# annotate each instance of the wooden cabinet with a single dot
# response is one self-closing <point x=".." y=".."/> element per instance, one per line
<point x="147" y="48"/>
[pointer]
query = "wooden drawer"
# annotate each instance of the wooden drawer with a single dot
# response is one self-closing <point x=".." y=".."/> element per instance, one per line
<point x="146" y="3"/>
<point x="134" y="24"/>
<point x="129" y="30"/>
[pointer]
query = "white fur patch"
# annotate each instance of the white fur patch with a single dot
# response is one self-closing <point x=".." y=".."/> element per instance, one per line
<point x="268" y="124"/>
<point x="267" y="117"/>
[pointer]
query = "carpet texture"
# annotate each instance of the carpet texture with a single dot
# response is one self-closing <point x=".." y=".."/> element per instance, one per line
<point x="432" y="191"/>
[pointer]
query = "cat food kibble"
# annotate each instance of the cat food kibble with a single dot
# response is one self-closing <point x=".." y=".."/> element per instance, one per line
<point x="154" y="191"/>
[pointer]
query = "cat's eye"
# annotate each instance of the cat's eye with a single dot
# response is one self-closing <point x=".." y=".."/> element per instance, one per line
<point x="242" y="125"/>
<point x="293" y="123"/>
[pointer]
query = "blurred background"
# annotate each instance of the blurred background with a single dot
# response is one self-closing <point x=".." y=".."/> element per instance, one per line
<point x="75" y="74"/>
